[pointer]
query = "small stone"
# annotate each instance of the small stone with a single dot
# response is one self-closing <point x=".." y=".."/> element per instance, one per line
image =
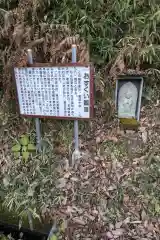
<point x="96" y="158"/>
<point x="98" y="140"/>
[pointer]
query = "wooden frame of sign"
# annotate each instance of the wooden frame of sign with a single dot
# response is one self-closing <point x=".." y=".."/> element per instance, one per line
<point x="64" y="91"/>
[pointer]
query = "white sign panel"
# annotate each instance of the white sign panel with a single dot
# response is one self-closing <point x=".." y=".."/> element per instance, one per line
<point x="54" y="91"/>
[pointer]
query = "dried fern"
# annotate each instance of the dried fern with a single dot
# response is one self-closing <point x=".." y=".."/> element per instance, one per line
<point x="121" y="35"/>
<point x="22" y="28"/>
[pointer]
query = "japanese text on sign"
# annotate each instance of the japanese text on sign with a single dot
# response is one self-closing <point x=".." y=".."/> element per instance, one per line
<point x="54" y="91"/>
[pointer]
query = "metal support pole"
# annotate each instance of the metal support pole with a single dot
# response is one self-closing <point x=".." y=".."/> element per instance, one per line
<point x="37" y="121"/>
<point x="76" y="140"/>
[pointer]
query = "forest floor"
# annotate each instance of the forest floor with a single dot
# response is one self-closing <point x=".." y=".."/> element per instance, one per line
<point x="112" y="192"/>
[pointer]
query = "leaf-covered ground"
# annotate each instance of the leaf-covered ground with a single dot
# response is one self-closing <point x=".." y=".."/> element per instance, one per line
<point x="112" y="192"/>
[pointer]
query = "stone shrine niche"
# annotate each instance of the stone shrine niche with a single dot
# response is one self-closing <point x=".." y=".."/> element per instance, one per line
<point x="127" y="101"/>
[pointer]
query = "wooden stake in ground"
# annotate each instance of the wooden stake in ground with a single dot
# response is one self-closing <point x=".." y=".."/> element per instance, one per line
<point x="37" y="121"/>
<point x="76" y="154"/>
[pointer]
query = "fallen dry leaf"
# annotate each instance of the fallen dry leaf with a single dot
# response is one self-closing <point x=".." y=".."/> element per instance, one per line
<point x="118" y="225"/>
<point x="78" y="220"/>
<point x="111" y="138"/>
<point x="118" y="232"/>
<point x="142" y="129"/>
<point x="61" y="183"/>
<point x="109" y="235"/>
<point x="144" y="215"/>
<point x="127" y="220"/>
<point x="157" y="103"/>
<point x="74" y="179"/>
<point x="144" y="136"/>
<point x="67" y="175"/>
<point x="104" y="195"/>
<point x="90" y="217"/>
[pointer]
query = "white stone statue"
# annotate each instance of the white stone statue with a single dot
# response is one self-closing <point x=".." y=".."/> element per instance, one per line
<point x="127" y="101"/>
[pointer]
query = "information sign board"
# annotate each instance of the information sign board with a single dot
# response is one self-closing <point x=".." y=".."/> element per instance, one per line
<point x="64" y="91"/>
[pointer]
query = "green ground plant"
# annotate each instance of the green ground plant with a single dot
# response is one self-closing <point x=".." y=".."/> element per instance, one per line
<point x="24" y="148"/>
